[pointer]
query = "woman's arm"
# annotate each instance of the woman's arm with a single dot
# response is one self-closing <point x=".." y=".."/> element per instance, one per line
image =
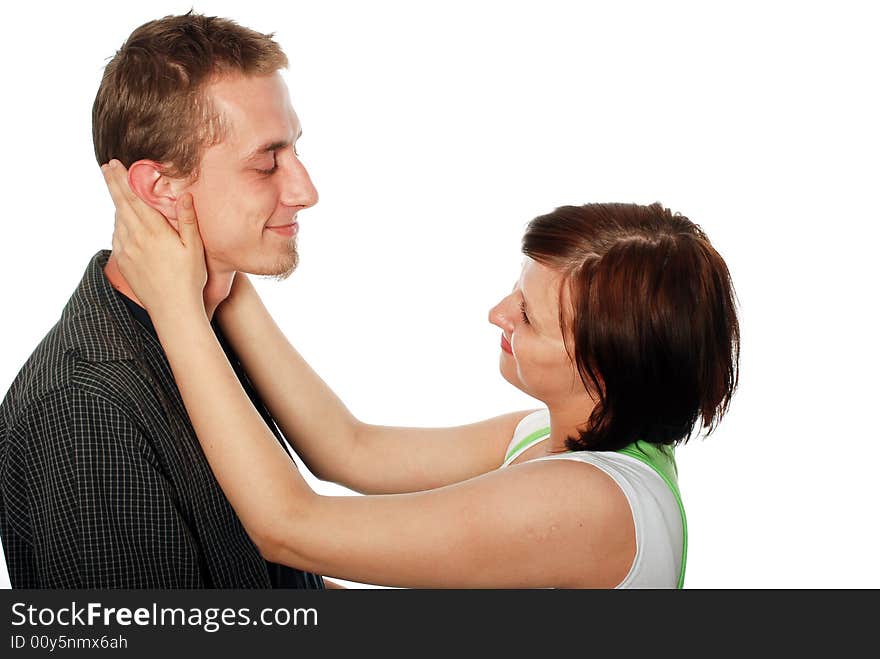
<point x="329" y="584"/>
<point x="540" y="524"/>
<point x="334" y="444"/>
<point x="546" y="524"/>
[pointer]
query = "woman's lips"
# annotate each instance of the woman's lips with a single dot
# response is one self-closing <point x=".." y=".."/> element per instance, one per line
<point x="286" y="229"/>
<point x="505" y="345"/>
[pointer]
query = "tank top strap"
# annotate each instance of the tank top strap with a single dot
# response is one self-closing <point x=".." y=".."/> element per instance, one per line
<point x="661" y="459"/>
<point x="532" y="429"/>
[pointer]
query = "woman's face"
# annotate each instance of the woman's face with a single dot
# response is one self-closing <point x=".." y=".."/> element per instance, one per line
<point x="533" y="354"/>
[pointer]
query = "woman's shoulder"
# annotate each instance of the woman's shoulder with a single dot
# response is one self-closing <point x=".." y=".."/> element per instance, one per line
<point x="627" y="471"/>
<point x="574" y="511"/>
<point x="654" y="508"/>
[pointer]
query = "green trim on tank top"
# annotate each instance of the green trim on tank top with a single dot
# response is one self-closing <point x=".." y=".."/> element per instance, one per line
<point x="661" y="460"/>
<point x="540" y="432"/>
<point x="658" y="458"/>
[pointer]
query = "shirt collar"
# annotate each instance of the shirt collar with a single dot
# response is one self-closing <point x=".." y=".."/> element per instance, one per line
<point x="95" y="322"/>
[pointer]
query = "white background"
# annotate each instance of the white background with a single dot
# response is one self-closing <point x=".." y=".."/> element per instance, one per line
<point x="435" y="131"/>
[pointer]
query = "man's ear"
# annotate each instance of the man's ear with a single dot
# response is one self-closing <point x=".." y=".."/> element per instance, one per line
<point x="155" y="188"/>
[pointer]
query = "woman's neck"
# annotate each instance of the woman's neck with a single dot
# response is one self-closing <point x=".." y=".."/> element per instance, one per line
<point x="566" y="421"/>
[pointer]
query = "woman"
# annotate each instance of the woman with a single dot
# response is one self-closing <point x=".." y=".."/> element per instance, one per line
<point x="622" y="322"/>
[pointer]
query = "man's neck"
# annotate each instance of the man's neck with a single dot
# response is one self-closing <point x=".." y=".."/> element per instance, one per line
<point x="216" y="290"/>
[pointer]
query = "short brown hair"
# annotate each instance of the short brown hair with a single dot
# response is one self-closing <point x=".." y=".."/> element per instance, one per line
<point x="151" y="103"/>
<point x="654" y="325"/>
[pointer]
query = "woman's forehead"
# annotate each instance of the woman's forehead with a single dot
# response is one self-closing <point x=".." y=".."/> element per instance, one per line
<point x="536" y="275"/>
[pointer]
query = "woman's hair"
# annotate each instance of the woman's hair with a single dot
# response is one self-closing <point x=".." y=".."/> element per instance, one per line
<point x="152" y="102"/>
<point x="653" y="327"/>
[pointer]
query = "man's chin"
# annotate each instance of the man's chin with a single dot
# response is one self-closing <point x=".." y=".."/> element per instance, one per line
<point x="281" y="275"/>
<point x="282" y="268"/>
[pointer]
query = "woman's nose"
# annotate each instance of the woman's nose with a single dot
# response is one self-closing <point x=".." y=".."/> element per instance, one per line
<point x="499" y="315"/>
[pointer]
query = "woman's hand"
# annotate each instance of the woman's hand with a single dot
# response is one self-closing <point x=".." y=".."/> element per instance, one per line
<point x="165" y="269"/>
<point x="242" y="291"/>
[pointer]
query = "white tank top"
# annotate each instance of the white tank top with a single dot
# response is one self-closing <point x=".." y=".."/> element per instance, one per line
<point x="646" y="475"/>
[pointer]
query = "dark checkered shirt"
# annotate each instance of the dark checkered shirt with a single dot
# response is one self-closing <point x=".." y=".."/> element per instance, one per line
<point x="103" y="483"/>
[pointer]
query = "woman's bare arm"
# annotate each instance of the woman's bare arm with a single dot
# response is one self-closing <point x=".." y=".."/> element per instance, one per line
<point x="552" y="523"/>
<point x="538" y="524"/>
<point x="334" y="444"/>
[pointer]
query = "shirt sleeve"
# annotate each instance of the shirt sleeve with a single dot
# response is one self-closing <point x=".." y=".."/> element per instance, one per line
<point x="100" y="513"/>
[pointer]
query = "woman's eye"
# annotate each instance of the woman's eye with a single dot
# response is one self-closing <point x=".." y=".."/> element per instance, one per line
<point x="522" y="310"/>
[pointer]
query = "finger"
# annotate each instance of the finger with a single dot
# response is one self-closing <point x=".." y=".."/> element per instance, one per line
<point x="187" y="221"/>
<point x="134" y="210"/>
<point x="119" y="174"/>
<point x="119" y="242"/>
<point x="127" y="203"/>
<point x="117" y="193"/>
<point x="116" y="245"/>
<point x="120" y="229"/>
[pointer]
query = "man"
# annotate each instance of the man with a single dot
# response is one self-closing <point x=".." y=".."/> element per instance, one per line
<point x="102" y="480"/>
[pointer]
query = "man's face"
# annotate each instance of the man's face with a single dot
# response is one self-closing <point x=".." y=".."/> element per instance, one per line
<point x="252" y="184"/>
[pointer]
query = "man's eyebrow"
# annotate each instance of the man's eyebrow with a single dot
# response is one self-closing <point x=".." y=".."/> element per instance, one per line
<point x="269" y="147"/>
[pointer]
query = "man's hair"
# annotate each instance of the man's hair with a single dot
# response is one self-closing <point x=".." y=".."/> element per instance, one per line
<point x="653" y="325"/>
<point x="152" y="104"/>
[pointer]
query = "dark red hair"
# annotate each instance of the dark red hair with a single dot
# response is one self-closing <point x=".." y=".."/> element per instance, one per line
<point x="652" y="327"/>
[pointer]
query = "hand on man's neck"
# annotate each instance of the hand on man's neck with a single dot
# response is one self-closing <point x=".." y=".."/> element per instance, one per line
<point x="216" y="289"/>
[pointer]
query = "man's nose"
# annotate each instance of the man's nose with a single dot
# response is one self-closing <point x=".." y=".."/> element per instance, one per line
<point x="298" y="189"/>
